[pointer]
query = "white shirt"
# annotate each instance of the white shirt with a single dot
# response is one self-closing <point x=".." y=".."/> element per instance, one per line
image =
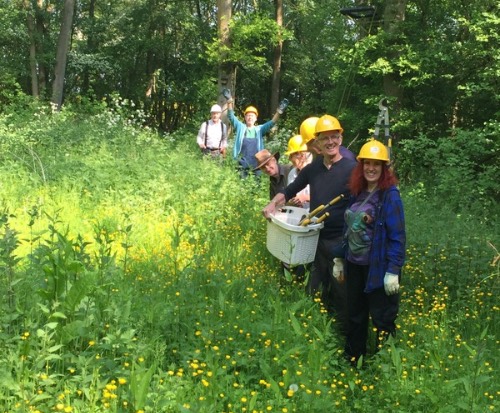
<point x="291" y="177"/>
<point x="215" y="136"/>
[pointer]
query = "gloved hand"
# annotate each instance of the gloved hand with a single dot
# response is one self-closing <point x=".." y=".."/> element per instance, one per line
<point x="338" y="269"/>
<point x="282" y="106"/>
<point x="391" y="283"/>
<point x="227" y="94"/>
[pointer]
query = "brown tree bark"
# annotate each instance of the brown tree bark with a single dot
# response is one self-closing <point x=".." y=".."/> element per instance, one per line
<point x="91" y="45"/>
<point x="227" y="70"/>
<point x="63" y="45"/>
<point x="275" y="87"/>
<point x="39" y="35"/>
<point x="394" y="15"/>
<point x="33" y="64"/>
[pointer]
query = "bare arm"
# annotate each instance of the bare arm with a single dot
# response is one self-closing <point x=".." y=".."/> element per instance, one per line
<point x="276" y="202"/>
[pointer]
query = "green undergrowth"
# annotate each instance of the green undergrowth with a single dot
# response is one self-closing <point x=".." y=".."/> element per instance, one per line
<point x="135" y="278"/>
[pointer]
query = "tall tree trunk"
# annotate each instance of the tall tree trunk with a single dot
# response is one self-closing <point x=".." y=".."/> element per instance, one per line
<point x="91" y="46"/>
<point x="394" y="15"/>
<point x="275" y="87"/>
<point x="39" y="36"/>
<point x="227" y="71"/>
<point x="62" y="53"/>
<point x="31" y="32"/>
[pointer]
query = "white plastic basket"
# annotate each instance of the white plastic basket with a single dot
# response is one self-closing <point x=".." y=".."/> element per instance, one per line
<point x="289" y="242"/>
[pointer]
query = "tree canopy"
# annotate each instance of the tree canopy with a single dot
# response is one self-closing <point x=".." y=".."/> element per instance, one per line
<point x="438" y="64"/>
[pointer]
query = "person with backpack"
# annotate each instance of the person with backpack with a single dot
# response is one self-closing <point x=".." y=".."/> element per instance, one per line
<point x="212" y="136"/>
<point x="376" y="238"/>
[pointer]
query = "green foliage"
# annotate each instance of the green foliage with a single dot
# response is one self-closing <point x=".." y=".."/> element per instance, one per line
<point x="165" y="59"/>
<point x="13" y="36"/>
<point x="8" y="244"/>
<point x="10" y="91"/>
<point x="464" y="167"/>
<point x="252" y="37"/>
<point x="136" y="277"/>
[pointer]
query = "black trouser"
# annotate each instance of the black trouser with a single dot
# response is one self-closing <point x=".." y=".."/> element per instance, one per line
<point x="214" y="152"/>
<point x="360" y="305"/>
<point x="321" y="280"/>
<point x="298" y="271"/>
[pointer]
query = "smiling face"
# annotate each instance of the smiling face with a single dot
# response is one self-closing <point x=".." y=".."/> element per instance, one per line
<point x="372" y="170"/>
<point x="271" y="167"/>
<point x="250" y="119"/>
<point x="329" y="143"/>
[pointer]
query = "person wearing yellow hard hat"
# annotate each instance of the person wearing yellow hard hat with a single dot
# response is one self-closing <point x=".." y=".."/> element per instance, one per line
<point x="327" y="177"/>
<point x="376" y="242"/>
<point x="325" y="123"/>
<point x="299" y="156"/>
<point x="248" y="136"/>
<point x="328" y="124"/>
<point x="307" y="130"/>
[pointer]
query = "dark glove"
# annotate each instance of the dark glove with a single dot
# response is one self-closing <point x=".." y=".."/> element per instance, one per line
<point x="282" y="106"/>
<point x="227" y="94"/>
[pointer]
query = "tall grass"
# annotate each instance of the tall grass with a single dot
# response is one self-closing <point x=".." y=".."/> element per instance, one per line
<point x="135" y="278"/>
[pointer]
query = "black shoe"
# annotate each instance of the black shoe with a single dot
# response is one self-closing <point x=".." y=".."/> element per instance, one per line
<point x="354" y="361"/>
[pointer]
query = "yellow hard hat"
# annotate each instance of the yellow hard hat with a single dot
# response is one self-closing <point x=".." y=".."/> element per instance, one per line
<point x="327" y="123"/>
<point x="307" y="128"/>
<point x="374" y="150"/>
<point x="252" y="109"/>
<point x="296" y="144"/>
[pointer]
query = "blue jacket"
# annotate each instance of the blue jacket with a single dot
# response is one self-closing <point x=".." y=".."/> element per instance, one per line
<point x="239" y="132"/>
<point x="388" y="249"/>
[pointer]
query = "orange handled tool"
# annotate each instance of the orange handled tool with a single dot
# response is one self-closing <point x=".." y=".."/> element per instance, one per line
<point x="322" y="217"/>
<point x="307" y="219"/>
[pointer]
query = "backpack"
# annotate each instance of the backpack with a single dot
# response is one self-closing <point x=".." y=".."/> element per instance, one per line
<point x="357" y="238"/>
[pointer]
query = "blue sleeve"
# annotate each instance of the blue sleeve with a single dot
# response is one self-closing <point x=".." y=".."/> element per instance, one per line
<point x="266" y="127"/>
<point x="234" y="120"/>
<point x="238" y="126"/>
<point x="396" y="233"/>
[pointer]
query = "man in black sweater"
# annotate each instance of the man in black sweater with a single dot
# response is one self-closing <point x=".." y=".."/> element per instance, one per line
<point x="328" y="177"/>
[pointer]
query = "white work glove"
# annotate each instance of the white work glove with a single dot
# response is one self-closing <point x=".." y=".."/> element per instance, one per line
<point x="391" y="283"/>
<point x="338" y="269"/>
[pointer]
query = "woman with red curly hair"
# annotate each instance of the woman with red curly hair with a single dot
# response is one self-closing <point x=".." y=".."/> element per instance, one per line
<point x="376" y="237"/>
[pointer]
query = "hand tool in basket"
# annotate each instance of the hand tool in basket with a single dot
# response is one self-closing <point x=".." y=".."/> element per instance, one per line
<point x="308" y="218"/>
<point x="322" y="218"/>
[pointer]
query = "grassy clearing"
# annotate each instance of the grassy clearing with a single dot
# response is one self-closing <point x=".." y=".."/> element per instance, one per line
<point x="135" y="278"/>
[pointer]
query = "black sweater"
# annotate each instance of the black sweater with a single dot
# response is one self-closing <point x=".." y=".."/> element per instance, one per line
<point x="325" y="184"/>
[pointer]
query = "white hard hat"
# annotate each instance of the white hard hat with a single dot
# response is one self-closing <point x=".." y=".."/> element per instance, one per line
<point x="215" y="108"/>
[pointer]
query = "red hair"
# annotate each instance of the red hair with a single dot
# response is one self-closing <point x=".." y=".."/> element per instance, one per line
<point x="357" y="182"/>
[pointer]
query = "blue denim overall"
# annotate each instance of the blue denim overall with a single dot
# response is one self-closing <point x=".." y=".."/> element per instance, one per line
<point x="247" y="162"/>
